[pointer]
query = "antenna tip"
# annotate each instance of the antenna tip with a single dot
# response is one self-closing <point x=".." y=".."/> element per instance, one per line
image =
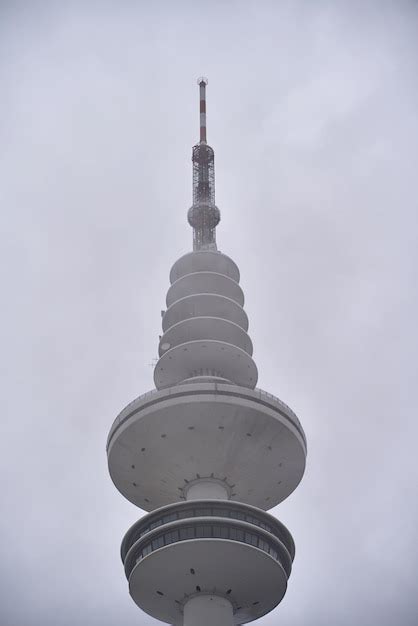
<point x="203" y="80"/>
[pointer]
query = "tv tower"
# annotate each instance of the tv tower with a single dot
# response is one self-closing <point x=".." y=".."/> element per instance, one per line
<point x="206" y="453"/>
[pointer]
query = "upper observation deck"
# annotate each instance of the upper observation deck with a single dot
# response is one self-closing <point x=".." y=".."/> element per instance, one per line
<point x="247" y="438"/>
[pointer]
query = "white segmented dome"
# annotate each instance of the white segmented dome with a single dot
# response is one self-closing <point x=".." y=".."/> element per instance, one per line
<point x="205" y="326"/>
<point x="201" y="358"/>
<point x="205" y="282"/>
<point x="204" y="261"/>
<point x="205" y="305"/>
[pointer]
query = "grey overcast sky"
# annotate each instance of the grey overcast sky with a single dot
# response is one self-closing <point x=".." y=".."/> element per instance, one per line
<point x="313" y="115"/>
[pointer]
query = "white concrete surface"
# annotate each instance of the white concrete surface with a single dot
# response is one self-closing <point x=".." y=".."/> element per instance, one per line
<point x="160" y="582"/>
<point x="205" y="304"/>
<point x="208" y="610"/>
<point x="206" y="489"/>
<point x="204" y="260"/>
<point x="205" y="358"/>
<point x="205" y="282"/>
<point x="206" y="327"/>
<point x="167" y="437"/>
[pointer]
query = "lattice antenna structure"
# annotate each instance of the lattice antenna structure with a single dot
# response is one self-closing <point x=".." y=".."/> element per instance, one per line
<point x="203" y="215"/>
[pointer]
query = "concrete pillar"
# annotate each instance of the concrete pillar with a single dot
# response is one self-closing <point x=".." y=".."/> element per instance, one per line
<point x="207" y="489"/>
<point x="208" y="610"/>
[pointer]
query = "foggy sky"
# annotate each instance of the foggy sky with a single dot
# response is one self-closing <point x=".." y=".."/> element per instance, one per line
<point x="313" y="115"/>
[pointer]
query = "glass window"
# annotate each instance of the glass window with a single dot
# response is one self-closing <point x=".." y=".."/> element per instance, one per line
<point x="237" y="534"/>
<point x="217" y="531"/>
<point x="221" y="532"/>
<point x="169" y="518"/>
<point x="263" y="545"/>
<point x="171" y="537"/>
<point x="251" y="539"/>
<point x="146" y="550"/>
<point x="187" y="533"/>
<point x="203" y="531"/>
<point x="158" y="542"/>
<point x="155" y="524"/>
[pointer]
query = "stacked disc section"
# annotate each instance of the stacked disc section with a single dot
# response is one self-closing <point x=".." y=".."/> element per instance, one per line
<point x="205" y="326"/>
<point x="206" y="453"/>
<point x="202" y="548"/>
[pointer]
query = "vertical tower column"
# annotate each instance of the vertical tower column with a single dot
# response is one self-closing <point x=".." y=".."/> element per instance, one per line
<point x="207" y="489"/>
<point x="208" y="610"/>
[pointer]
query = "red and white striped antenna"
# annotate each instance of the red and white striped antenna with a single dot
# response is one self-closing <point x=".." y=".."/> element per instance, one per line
<point x="202" y="82"/>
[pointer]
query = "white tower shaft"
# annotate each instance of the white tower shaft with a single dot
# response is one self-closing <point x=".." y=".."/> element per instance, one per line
<point x="208" y="610"/>
<point x="207" y="490"/>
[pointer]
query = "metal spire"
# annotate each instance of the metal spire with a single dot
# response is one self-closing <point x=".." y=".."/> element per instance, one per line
<point x="203" y="215"/>
<point x="202" y="82"/>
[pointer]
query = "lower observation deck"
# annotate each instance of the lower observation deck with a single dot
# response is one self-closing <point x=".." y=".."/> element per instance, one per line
<point x="207" y="508"/>
<point x="167" y="438"/>
<point x="207" y="547"/>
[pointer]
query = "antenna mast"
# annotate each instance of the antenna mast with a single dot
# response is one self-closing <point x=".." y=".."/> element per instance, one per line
<point x="203" y="215"/>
